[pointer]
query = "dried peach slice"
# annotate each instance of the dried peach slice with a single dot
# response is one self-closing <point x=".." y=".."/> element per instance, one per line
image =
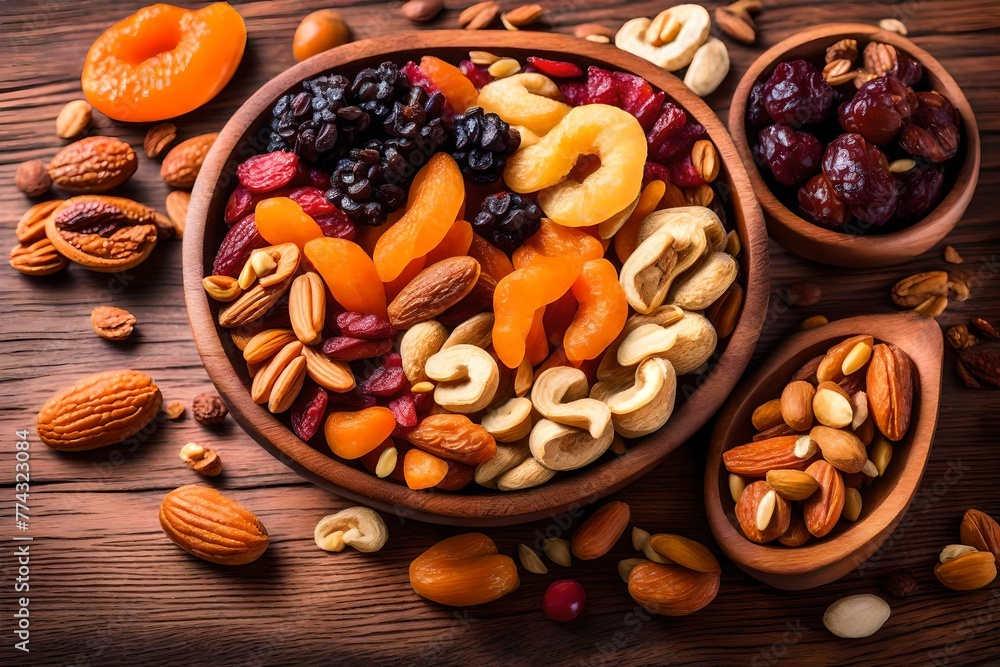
<point x="530" y="100"/>
<point x="602" y="312"/>
<point x="163" y="61"/>
<point x="458" y="91"/>
<point x="454" y="244"/>
<point x="552" y="240"/>
<point x="351" y="435"/>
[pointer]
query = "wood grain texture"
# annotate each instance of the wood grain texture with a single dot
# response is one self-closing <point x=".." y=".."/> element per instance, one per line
<point x="109" y="589"/>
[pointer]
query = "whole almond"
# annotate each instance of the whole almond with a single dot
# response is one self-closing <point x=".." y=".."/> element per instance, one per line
<point x="433" y="291"/>
<point x="522" y="16"/>
<point x="93" y="164"/>
<point x="822" y="509"/>
<point x="112" y="323"/>
<point x="158" y="138"/>
<point x="736" y="24"/>
<point x="421" y="11"/>
<point x="747" y="513"/>
<point x="672" y="590"/>
<point x="265" y="344"/>
<point x="767" y="415"/>
<point x="479" y="15"/>
<point x="211" y="526"/>
<point x="755" y="459"/>
<point x="585" y="30"/>
<point x="32" y="178"/>
<point x="177" y="208"/>
<point x="841" y="448"/>
<point x="181" y="165"/>
<point x="725" y="312"/>
<point x="601" y="531"/>
<point x="797" y="404"/>
<point x="890" y="390"/>
<point x="856" y="616"/>
<point x="968" y="572"/>
<point x="684" y="552"/>
<point x="792" y="484"/>
<point x="74" y="119"/>
<point x="797" y="533"/>
<point x="831" y="366"/>
<point x="99" y="410"/>
<point x="981" y="531"/>
<point x="307" y="307"/>
<point x="267" y="377"/>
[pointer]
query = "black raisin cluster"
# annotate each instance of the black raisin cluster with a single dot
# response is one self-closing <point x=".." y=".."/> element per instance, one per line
<point x="507" y="220"/>
<point x="480" y="145"/>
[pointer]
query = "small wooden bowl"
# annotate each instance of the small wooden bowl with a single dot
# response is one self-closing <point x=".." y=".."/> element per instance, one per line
<point x="824" y="560"/>
<point x="246" y="133"/>
<point x="829" y="247"/>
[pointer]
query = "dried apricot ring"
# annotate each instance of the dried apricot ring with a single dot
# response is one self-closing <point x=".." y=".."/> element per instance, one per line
<point x="552" y="240"/>
<point x="457" y="89"/>
<point x="437" y="194"/>
<point x="349" y="274"/>
<point x="422" y="470"/>
<point x="530" y="100"/>
<point x="454" y="244"/>
<point x="602" y="312"/>
<point x="163" y="61"/>
<point x="463" y="571"/>
<point x="520" y="294"/>
<point x="351" y="435"/>
<point x="611" y="134"/>
<point x="625" y="239"/>
<point x="282" y="220"/>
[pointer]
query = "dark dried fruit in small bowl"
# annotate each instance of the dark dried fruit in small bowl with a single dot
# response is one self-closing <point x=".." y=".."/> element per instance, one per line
<point x="858" y="170"/>
<point x="919" y="191"/>
<point x="796" y="93"/>
<point x="820" y="202"/>
<point x="934" y="133"/>
<point x="790" y="155"/>
<point x="879" y="110"/>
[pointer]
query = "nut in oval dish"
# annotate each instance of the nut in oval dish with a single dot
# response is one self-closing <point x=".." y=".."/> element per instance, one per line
<point x="100" y="410"/>
<point x="207" y="524"/>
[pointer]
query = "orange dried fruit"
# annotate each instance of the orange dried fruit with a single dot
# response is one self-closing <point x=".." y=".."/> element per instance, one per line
<point x="435" y="198"/>
<point x="463" y="571"/>
<point x="349" y="274"/>
<point x="602" y="312"/>
<point x="282" y="220"/>
<point x="553" y="240"/>
<point x="493" y="261"/>
<point x="625" y="239"/>
<point x="163" y="61"/>
<point x="351" y="435"/>
<point x="458" y="91"/>
<point x="422" y="470"/>
<point x="536" y="345"/>
<point x="455" y="243"/>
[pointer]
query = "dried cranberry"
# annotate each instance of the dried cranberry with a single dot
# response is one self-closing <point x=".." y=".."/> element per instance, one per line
<point x="308" y="411"/>
<point x="384" y="381"/>
<point x="756" y="113"/>
<point x="393" y="360"/>
<point x="418" y="78"/>
<point x="364" y="325"/>
<point x="877" y="212"/>
<point x="670" y="123"/>
<point x="919" y="191"/>
<point x="234" y="251"/>
<point x="557" y="69"/>
<point x="404" y="409"/>
<point x="268" y="172"/>
<point x="791" y="156"/>
<point x="859" y="171"/>
<point x="423" y="402"/>
<point x="797" y="93"/>
<point x="239" y="205"/>
<point x="312" y="200"/>
<point x="474" y="73"/>
<point x="821" y="203"/>
<point x="347" y="348"/>
<point x="638" y="98"/>
<point x="879" y="110"/>
<point x="601" y="88"/>
<point x="934" y="133"/>
<point x="351" y="400"/>
<point x="574" y="92"/>
<point x="337" y="225"/>
<point x="679" y="143"/>
<point x="654" y="171"/>
<point x="908" y="70"/>
<point x="683" y="173"/>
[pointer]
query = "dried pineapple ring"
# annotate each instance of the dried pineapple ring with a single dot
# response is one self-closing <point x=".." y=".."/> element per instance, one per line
<point x="613" y="135"/>
<point x="676" y="54"/>
<point x="531" y="100"/>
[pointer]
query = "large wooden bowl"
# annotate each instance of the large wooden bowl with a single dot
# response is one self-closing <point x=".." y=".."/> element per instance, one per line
<point x="849" y="545"/>
<point x="829" y="247"/>
<point x="245" y="134"/>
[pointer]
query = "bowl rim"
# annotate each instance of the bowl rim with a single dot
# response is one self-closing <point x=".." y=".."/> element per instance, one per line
<point x="492" y="509"/>
<point x="880" y="250"/>
<point x="907" y="330"/>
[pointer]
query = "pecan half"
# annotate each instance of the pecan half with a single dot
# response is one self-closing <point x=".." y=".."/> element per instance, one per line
<point x="879" y="58"/>
<point x="914" y="290"/>
<point x="103" y="233"/>
<point x="31" y="226"/>
<point x="37" y="259"/>
<point x="112" y="323"/>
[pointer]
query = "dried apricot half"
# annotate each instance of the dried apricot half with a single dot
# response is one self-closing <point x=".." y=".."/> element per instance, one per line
<point x="163" y="61"/>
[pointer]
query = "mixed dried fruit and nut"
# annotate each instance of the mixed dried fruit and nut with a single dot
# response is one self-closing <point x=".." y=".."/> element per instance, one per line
<point x="854" y="149"/>
<point x="829" y="435"/>
<point x="436" y="351"/>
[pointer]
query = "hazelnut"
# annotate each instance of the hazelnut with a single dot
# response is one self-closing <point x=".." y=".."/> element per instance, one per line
<point x="900" y="583"/>
<point x="32" y="178"/>
<point x="202" y="460"/>
<point x="208" y="408"/>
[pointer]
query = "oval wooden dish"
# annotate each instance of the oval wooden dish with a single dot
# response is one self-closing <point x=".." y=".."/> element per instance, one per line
<point x="241" y="138"/>
<point x="821" y="561"/>
<point x="829" y="247"/>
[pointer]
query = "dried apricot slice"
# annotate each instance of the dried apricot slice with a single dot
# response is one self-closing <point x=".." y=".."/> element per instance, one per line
<point x="536" y="345"/>
<point x="602" y="312"/>
<point x="351" y="435"/>
<point x="462" y="571"/>
<point x="625" y="239"/>
<point x="458" y="91"/>
<point x="349" y="274"/>
<point x="436" y="195"/>
<point x="281" y="220"/>
<point x="395" y="286"/>
<point x="454" y="244"/>
<point x="492" y="260"/>
<point x="552" y="240"/>
<point x="163" y="61"/>
<point x="422" y="470"/>
<point x="558" y="315"/>
<point x="611" y="134"/>
<point x="530" y="100"/>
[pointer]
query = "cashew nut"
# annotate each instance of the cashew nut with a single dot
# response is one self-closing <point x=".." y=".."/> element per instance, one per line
<point x="648" y="273"/>
<point x="708" y="68"/>
<point x="525" y="475"/>
<point x="613" y="135"/>
<point x="477" y="330"/>
<point x="509" y="422"/>
<point x="358" y="527"/>
<point x="680" y="217"/>
<point x="562" y="447"/>
<point x="467" y="378"/>
<point x="707" y="280"/>
<point x="420" y="343"/>
<point x="559" y="395"/>
<point x="609" y="367"/>
<point x="530" y="100"/>
<point x="674" y="55"/>
<point x="647" y="404"/>
<point x="507" y="458"/>
<point x="686" y="344"/>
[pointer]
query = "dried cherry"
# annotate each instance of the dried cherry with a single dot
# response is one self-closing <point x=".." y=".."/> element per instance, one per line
<point x="574" y="92"/>
<point x="796" y="93"/>
<point x="364" y="325"/>
<point x="908" y="70"/>
<point x="308" y="411"/>
<point x="268" y="171"/>
<point x="683" y="173"/>
<point x="859" y="171"/>
<point x="879" y="110"/>
<point x="384" y="381"/>
<point x="790" y="155"/>
<point x="637" y="96"/>
<point x="234" y="251"/>
<point x="474" y="73"/>
<point x="348" y="348"/>
<point x="556" y="69"/>
<point x="756" y="113"/>
<point x="919" y="191"/>
<point x="934" y="133"/>
<point x="404" y="408"/>
<point x="601" y="88"/>
<point x="312" y="200"/>
<point x="337" y="225"/>
<point x="821" y="203"/>
<point x="239" y="205"/>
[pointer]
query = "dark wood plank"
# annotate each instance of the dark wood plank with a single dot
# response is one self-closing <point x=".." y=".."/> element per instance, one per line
<point x="109" y="589"/>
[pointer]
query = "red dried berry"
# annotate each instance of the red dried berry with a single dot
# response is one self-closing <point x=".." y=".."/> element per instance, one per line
<point x="474" y="73"/>
<point x="601" y="88"/>
<point x="797" y="93"/>
<point x="384" y="381"/>
<point x="418" y="78"/>
<point x="821" y="203"/>
<point x="364" y="325"/>
<point x="404" y="408"/>
<point x="239" y="205"/>
<point x="346" y="348"/>
<point x="308" y="411"/>
<point x="312" y="200"/>
<point x="859" y="171"/>
<point x="879" y="110"/>
<point x="234" y="251"/>
<point x="423" y="402"/>
<point x="393" y="360"/>
<point x="683" y="174"/>
<point x="790" y="155"/>
<point x="670" y="122"/>
<point x="555" y="68"/>
<point x="459" y="476"/>
<point x="268" y="172"/>
<point x="337" y="225"/>
<point x="934" y="133"/>
<point x="654" y="171"/>
<point x="574" y="92"/>
<point x="756" y="113"/>
<point x="908" y="70"/>
<point x="919" y="191"/>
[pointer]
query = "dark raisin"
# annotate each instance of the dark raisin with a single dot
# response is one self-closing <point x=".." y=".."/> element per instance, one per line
<point x="756" y="113"/>
<point x="821" y="203"/>
<point x="507" y="220"/>
<point x="919" y="191"/>
<point x="797" y="93"/>
<point x="791" y="156"/>
<point x="879" y="110"/>
<point x="908" y="70"/>
<point x="308" y="411"/>
<point x="934" y="133"/>
<point x="859" y="171"/>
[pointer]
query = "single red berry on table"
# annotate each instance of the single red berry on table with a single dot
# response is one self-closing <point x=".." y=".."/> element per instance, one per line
<point x="564" y="600"/>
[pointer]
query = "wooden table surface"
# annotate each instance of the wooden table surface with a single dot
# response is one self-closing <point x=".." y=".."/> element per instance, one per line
<point x="107" y="588"/>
